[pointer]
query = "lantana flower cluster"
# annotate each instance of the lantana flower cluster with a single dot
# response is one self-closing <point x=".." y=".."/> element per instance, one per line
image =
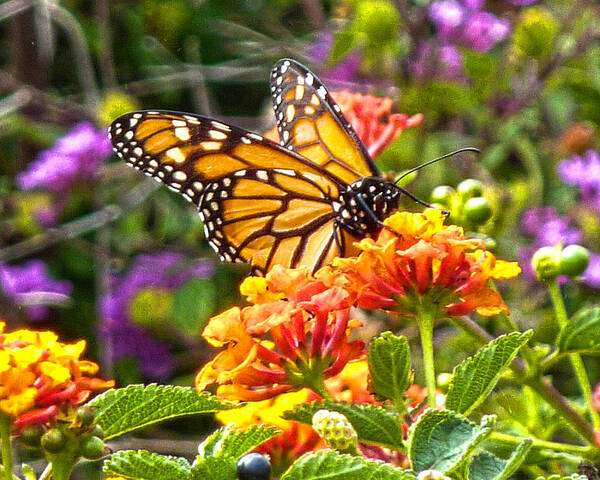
<point x="417" y="259"/>
<point x="297" y="331"/>
<point x="41" y="377"/>
<point x="295" y="334"/>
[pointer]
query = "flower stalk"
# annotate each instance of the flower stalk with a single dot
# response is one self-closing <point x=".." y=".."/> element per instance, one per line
<point x="576" y="361"/>
<point x="425" y="319"/>
<point x="7" y="458"/>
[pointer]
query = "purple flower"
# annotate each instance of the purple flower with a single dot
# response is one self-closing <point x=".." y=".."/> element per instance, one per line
<point x="523" y="3"/>
<point x="448" y="65"/>
<point x="77" y="155"/>
<point x="464" y="23"/>
<point x="122" y="337"/>
<point x="482" y="31"/>
<point x="346" y="70"/>
<point x="30" y="286"/>
<point x="591" y="276"/>
<point x="583" y="171"/>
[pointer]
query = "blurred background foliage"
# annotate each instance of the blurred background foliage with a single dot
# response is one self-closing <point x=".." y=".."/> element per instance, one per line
<point x="94" y="250"/>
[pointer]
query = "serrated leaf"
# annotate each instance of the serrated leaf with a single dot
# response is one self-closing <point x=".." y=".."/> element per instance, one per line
<point x="122" y="410"/>
<point x="236" y="442"/>
<point x="486" y="466"/>
<point x="373" y="424"/>
<point x="331" y="465"/>
<point x="474" y="379"/>
<point x="215" y="468"/>
<point x="389" y="367"/>
<point x="442" y="440"/>
<point x="582" y="333"/>
<point x="144" y="465"/>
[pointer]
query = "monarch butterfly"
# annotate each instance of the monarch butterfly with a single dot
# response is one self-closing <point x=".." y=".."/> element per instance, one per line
<point x="300" y="203"/>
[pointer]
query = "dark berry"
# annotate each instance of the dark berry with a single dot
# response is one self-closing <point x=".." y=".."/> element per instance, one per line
<point x="253" y="466"/>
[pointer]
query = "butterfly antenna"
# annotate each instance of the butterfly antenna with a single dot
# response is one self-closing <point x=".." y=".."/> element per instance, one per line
<point x="419" y="167"/>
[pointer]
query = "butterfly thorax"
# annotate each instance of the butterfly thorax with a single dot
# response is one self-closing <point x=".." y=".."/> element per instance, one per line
<point x="365" y="203"/>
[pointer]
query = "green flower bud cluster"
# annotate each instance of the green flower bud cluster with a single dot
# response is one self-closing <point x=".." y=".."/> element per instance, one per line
<point x="377" y="20"/>
<point x="535" y="33"/>
<point x="114" y="104"/>
<point x="152" y="308"/>
<point x="336" y="431"/>
<point x="550" y="262"/>
<point x="75" y="436"/>
<point x="467" y="205"/>
<point x="432" y="475"/>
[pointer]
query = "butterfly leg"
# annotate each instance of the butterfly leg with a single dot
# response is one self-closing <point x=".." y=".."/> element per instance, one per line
<point x="371" y="214"/>
<point x="336" y="235"/>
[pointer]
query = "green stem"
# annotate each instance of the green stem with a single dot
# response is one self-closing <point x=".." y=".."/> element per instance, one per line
<point x="578" y="366"/>
<point x="7" y="459"/>
<point x="588" y="453"/>
<point x="425" y="319"/>
<point x="47" y="473"/>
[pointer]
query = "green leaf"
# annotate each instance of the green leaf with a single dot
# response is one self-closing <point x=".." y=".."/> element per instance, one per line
<point x="235" y="443"/>
<point x="143" y="465"/>
<point x="389" y="367"/>
<point x="193" y="304"/>
<point x="373" y="424"/>
<point x="473" y="379"/>
<point x="343" y="44"/>
<point x="486" y="466"/>
<point x="582" y="333"/>
<point x="331" y="465"/>
<point x="215" y="468"/>
<point x="442" y="440"/>
<point x="122" y="410"/>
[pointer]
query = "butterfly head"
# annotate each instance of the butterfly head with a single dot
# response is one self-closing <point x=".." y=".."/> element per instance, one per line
<point x="365" y="203"/>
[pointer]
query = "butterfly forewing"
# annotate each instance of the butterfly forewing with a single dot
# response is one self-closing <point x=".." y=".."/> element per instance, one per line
<point x="311" y="123"/>
<point x="259" y="202"/>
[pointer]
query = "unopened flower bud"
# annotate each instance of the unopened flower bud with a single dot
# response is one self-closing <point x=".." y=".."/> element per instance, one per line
<point x="470" y="188"/>
<point x="86" y="415"/>
<point x="31" y="435"/>
<point x="574" y="259"/>
<point x="337" y="432"/>
<point x="93" y="448"/>
<point x="546" y="263"/>
<point x="432" y="475"/>
<point x="442" y="194"/>
<point x="53" y="440"/>
<point x="478" y="210"/>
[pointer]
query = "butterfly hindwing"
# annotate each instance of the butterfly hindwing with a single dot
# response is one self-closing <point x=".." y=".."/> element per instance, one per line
<point x="260" y="202"/>
<point x="312" y="124"/>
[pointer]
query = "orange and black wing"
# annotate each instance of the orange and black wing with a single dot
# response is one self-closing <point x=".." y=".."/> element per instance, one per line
<point x="260" y="202"/>
<point x="311" y="123"/>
